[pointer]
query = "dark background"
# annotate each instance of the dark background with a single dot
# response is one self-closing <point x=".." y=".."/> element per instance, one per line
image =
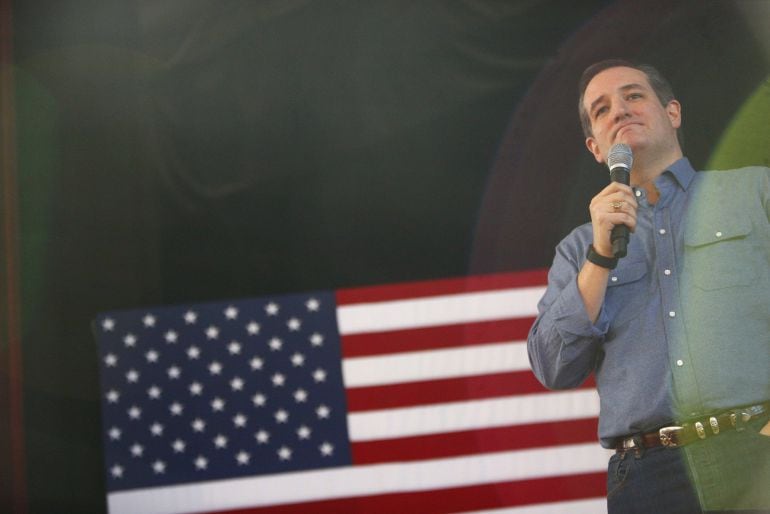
<point x="192" y="150"/>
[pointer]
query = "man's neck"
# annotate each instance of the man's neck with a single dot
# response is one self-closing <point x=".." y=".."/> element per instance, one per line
<point x="649" y="167"/>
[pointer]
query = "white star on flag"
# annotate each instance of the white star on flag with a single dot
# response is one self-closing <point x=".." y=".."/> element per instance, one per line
<point x="137" y="450"/>
<point x="236" y="384"/>
<point x="323" y="412"/>
<point x="304" y="432"/>
<point x="284" y="452"/>
<point x="220" y="441"/>
<point x="272" y="309"/>
<point x="217" y="405"/>
<point x="151" y="356"/>
<point x="239" y="420"/>
<point x="242" y="458"/>
<point x="326" y="449"/>
<point x="319" y="375"/>
<point x="281" y="416"/>
<point x="115" y="433"/>
<point x="294" y="324"/>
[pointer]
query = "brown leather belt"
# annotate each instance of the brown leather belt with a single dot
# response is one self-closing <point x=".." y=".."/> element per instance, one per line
<point x="679" y="435"/>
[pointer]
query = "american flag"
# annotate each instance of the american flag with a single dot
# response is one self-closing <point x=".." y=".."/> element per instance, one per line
<point x="413" y="397"/>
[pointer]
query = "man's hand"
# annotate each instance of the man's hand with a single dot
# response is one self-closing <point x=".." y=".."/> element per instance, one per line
<point x="614" y="205"/>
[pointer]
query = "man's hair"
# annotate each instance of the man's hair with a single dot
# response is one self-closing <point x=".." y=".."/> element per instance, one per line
<point x="658" y="83"/>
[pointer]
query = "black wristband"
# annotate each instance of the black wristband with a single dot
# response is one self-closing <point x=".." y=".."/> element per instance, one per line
<point x="600" y="260"/>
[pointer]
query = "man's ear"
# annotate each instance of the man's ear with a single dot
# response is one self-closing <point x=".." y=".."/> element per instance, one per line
<point x="593" y="147"/>
<point x="674" y="112"/>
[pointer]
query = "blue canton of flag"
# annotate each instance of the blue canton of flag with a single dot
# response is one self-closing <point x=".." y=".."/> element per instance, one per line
<point x="221" y="390"/>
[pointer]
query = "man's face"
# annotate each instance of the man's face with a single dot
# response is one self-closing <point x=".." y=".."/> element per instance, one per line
<point x="623" y="108"/>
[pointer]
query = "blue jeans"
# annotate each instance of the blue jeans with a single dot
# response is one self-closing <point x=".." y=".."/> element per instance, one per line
<point x="653" y="481"/>
<point x="729" y="473"/>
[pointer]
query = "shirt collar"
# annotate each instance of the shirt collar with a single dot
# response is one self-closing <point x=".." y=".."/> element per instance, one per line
<point x="682" y="171"/>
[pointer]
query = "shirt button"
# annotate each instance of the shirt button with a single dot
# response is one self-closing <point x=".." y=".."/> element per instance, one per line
<point x="667" y="272"/>
<point x="671" y="314"/>
<point x="662" y="231"/>
<point x="719" y="234"/>
<point x="680" y="363"/>
<point x="614" y="279"/>
<point x="638" y="192"/>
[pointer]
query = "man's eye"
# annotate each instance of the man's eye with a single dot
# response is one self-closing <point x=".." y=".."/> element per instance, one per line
<point x="600" y="111"/>
<point x="634" y="96"/>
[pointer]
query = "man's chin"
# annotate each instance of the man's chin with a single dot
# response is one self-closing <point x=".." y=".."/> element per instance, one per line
<point x="630" y="139"/>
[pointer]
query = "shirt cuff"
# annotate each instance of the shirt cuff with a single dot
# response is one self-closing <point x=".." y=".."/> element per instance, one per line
<point x="572" y="319"/>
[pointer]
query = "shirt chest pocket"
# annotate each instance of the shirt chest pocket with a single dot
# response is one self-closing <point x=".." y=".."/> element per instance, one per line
<point x="626" y="292"/>
<point x="718" y="253"/>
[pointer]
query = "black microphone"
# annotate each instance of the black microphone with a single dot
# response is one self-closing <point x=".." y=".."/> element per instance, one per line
<point x="620" y="160"/>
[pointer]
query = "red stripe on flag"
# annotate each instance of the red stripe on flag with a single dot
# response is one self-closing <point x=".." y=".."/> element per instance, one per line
<point x="446" y="390"/>
<point x="441" y="287"/>
<point x="453" y="444"/>
<point x="485" y="496"/>
<point x="444" y="336"/>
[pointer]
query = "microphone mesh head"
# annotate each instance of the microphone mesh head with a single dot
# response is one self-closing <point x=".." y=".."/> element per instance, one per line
<point x="620" y="155"/>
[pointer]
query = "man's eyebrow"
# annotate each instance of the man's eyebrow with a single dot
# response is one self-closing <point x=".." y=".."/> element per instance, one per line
<point x="624" y="88"/>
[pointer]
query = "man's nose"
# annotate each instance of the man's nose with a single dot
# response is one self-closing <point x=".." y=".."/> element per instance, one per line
<point x="619" y="110"/>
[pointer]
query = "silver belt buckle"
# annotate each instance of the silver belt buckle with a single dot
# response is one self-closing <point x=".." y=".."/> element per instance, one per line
<point x="668" y="436"/>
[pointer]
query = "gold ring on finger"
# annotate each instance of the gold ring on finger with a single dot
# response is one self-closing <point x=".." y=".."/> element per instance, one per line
<point x="617" y="205"/>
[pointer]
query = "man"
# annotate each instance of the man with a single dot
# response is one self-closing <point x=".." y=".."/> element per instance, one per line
<point x="677" y="333"/>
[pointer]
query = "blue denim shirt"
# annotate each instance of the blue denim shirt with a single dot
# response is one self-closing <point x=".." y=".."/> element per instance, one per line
<point x="684" y="330"/>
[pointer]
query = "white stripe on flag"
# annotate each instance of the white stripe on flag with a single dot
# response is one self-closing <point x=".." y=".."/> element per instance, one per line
<point x="435" y="364"/>
<point x="361" y="480"/>
<point x="494" y="412"/>
<point x="438" y="310"/>
<point x="590" y="506"/>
